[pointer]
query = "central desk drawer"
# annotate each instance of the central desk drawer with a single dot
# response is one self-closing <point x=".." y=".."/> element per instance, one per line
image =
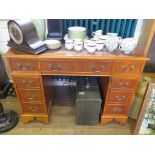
<point x="76" y="66"/>
<point x="23" y="65"/>
<point x="120" y="96"/>
<point x="30" y="95"/>
<point x="27" y="82"/>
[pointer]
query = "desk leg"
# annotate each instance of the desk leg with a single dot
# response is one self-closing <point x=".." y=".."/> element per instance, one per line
<point x="28" y="118"/>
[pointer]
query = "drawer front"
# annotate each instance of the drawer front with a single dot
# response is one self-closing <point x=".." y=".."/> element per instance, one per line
<point x="30" y="95"/>
<point x="23" y="65"/>
<point x="55" y="66"/>
<point x="97" y="67"/>
<point x="68" y="66"/>
<point x="33" y="108"/>
<point x="127" y="67"/>
<point x="27" y="82"/>
<point x="120" y="83"/>
<point x="120" y="96"/>
<point x="116" y="109"/>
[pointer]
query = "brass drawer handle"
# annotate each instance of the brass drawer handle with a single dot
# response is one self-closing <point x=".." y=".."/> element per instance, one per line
<point x="120" y="98"/>
<point x="27" y="82"/>
<point x="19" y="66"/>
<point x="116" y="109"/>
<point x="32" y="98"/>
<point x="100" y="68"/>
<point x="33" y="109"/>
<point x="132" y="68"/>
<point x="123" y="84"/>
<point x="58" y="67"/>
<point x="124" y="69"/>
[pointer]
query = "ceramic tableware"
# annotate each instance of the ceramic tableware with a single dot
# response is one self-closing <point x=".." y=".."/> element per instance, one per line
<point x="69" y="44"/>
<point x="91" y="47"/>
<point x="99" y="44"/>
<point x="111" y="44"/>
<point x="127" y="45"/>
<point x="97" y="33"/>
<point x="85" y="43"/>
<point x="77" y="32"/>
<point x="53" y="44"/>
<point x="78" y="45"/>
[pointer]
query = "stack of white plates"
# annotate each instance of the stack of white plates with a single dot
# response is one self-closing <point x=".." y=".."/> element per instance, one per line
<point x="77" y="32"/>
<point x="53" y="44"/>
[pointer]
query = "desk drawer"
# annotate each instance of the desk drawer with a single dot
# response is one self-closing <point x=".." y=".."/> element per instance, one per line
<point x="122" y="83"/>
<point x="127" y="67"/>
<point x="116" y="109"/>
<point x="23" y="65"/>
<point x="70" y="66"/>
<point x="97" y="67"/>
<point x="120" y="96"/>
<point x="30" y="95"/>
<point x="56" y="66"/>
<point x="33" y="108"/>
<point x="27" y="82"/>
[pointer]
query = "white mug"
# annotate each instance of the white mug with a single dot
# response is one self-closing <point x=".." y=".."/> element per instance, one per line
<point x="78" y="45"/>
<point x="97" y="33"/>
<point x="112" y="44"/>
<point x="91" y="47"/>
<point x="69" y="44"/>
<point x="127" y="45"/>
<point x="99" y="44"/>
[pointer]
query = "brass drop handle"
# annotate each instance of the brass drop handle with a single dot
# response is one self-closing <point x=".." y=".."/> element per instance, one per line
<point x="21" y="67"/>
<point x="33" y="97"/>
<point x="120" y="98"/>
<point x="132" y="68"/>
<point x="28" y="66"/>
<point x="27" y="82"/>
<point x="58" y="67"/>
<point x="123" y="84"/>
<point x="33" y="109"/>
<point x="124" y="69"/>
<point x="100" y="68"/>
<point x="116" y="109"/>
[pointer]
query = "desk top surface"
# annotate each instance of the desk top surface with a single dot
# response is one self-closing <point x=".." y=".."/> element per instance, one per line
<point x="63" y="54"/>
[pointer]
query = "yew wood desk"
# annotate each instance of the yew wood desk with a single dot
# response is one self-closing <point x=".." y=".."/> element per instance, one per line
<point x="118" y="74"/>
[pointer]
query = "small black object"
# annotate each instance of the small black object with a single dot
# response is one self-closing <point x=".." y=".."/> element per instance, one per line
<point x="8" y="119"/>
<point x="55" y="29"/>
<point x="24" y="37"/>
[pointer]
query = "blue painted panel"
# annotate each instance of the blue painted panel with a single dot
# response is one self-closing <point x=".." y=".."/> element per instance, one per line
<point x="124" y="27"/>
<point x="107" y="26"/>
<point x="112" y="25"/>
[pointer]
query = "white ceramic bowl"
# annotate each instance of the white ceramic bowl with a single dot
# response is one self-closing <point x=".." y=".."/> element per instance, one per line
<point x="53" y="44"/>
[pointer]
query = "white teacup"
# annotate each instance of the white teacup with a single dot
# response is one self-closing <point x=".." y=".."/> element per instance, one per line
<point x="69" y="44"/>
<point x="97" y="33"/>
<point x="78" y="45"/>
<point x="99" y="44"/>
<point x="91" y="47"/>
<point x="112" y="44"/>
<point x="127" y="45"/>
<point x="85" y="43"/>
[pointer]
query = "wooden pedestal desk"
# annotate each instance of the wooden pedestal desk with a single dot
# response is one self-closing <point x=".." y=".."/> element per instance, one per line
<point x="118" y="74"/>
